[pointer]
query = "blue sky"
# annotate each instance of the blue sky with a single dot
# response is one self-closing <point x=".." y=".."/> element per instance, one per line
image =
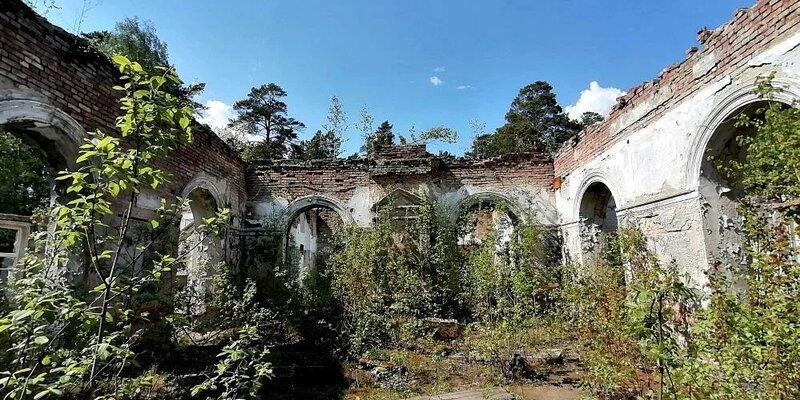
<point x="424" y="63"/>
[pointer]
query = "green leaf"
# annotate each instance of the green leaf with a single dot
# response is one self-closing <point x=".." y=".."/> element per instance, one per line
<point x="40" y="340"/>
<point x="121" y="61"/>
<point x="85" y="156"/>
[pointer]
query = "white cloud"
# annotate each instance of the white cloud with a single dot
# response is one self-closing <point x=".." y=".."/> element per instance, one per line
<point x="439" y="69"/>
<point x="463" y="87"/>
<point x="435" y="81"/>
<point x="216" y="115"/>
<point x="596" y="98"/>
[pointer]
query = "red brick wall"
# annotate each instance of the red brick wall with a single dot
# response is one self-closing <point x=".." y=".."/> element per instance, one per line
<point x="733" y="44"/>
<point x="36" y="55"/>
<point x="292" y="180"/>
<point x="339" y="178"/>
<point x="503" y="172"/>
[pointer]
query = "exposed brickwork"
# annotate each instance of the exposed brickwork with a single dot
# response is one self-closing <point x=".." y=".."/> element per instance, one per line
<point x="292" y="180"/>
<point x="38" y="56"/>
<point x="340" y="178"/>
<point x="733" y="45"/>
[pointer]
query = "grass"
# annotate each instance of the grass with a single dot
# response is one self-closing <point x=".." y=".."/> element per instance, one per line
<point x="428" y="367"/>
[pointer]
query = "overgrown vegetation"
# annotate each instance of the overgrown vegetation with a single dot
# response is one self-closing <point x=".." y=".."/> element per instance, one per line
<point x="62" y="339"/>
<point x="747" y="341"/>
<point x="26" y="177"/>
<point x="411" y="295"/>
<point x="649" y="338"/>
<point x="630" y="315"/>
<point x="407" y="304"/>
<point x="642" y="329"/>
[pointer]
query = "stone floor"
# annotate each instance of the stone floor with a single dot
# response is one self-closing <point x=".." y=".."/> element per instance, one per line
<point x="545" y="392"/>
<point x="479" y="394"/>
<point x="548" y="392"/>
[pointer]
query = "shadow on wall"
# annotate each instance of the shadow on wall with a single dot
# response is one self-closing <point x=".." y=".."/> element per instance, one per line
<point x="598" y="217"/>
<point x="721" y="197"/>
<point x="204" y="250"/>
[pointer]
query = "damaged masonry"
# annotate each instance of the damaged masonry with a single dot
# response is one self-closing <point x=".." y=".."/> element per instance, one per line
<point x="652" y="255"/>
<point x="645" y="163"/>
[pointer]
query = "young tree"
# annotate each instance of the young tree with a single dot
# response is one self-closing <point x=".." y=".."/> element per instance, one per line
<point x="326" y="142"/>
<point x="336" y="126"/>
<point x="365" y="125"/>
<point x="382" y="137"/>
<point x="58" y="340"/>
<point x="535" y="121"/>
<point x="264" y="113"/>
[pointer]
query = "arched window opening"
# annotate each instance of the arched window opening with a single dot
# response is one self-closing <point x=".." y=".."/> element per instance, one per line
<point x="30" y="156"/>
<point x="486" y="218"/>
<point x="310" y="240"/>
<point x="598" y="216"/>
<point x="720" y="195"/>
<point x="202" y="249"/>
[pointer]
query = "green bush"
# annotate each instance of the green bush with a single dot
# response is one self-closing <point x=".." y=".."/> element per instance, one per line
<point x="645" y="337"/>
<point x="630" y="315"/>
<point x="516" y="280"/>
<point x="389" y="277"/>
<point x="381" y="286"/>
<point x="747" y="341"/>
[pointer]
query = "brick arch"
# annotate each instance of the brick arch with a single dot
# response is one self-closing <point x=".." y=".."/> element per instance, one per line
<point x="66" y="136"/>
<point x="299" y="205"/>
<point x="591" y="178"/>
<point x="302" y="204"/>
<point x="204" y="182"/>
<point x="515" y="210"/>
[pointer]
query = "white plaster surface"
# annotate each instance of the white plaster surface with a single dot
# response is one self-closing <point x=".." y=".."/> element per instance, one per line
<point x="651" y="171"/>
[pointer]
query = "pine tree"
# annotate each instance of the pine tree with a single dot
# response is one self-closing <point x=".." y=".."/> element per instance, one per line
<point x="535" y="121"/>
<point x="264" y="113"/>
<point x="382" y="137"/>
<point x="322" y="145"/>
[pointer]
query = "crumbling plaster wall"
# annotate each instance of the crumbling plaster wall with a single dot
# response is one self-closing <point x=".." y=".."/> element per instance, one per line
<point x="648" y="152"/>
<point x="653" y="168"/>
<point x="355" y="187"/>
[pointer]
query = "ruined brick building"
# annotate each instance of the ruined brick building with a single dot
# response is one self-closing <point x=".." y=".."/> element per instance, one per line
<point x="645" y="164"/>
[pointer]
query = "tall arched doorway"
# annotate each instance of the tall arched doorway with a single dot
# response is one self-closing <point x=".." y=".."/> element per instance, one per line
<point x="310" y="224"/>
<point x="202" y="249"/>
<point x="36" y="141"/>
<point x="598" y="217"/>
<point x="720" y="195"/>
